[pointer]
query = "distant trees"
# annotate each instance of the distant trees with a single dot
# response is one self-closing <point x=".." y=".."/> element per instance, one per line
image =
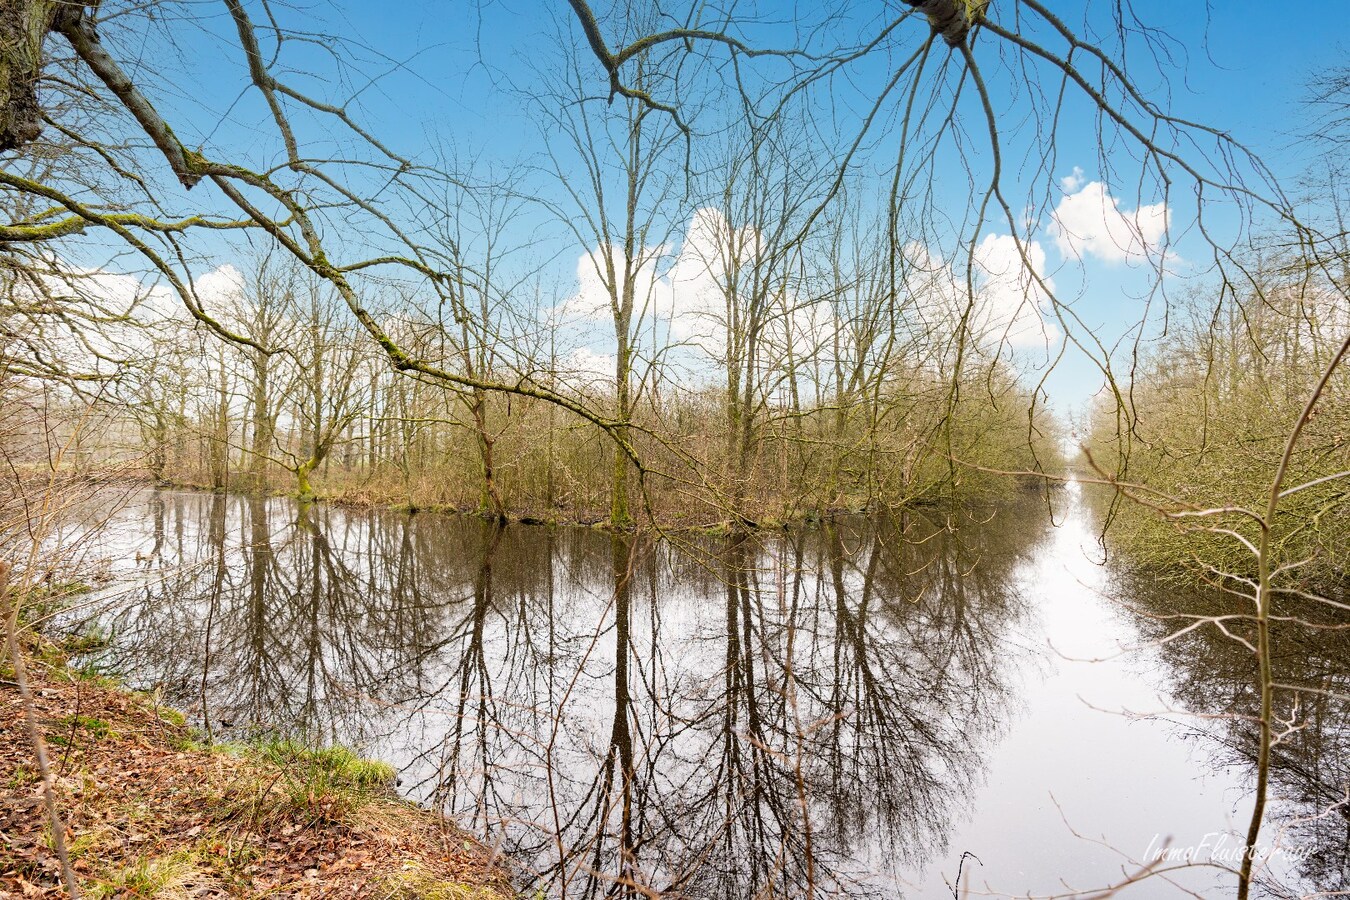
<point x="768" y="182"/>
<point x="327" y="363"/>
<point x="829" y="407"/>
<point x="268" y="309"/>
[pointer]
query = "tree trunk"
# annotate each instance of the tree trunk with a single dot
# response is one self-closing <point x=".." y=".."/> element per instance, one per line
<point x="159" y="447"/>
<point x="489" y="500"/>
<point x="220" y="432"/>
<point x="304" y="491"/>
<point x="619" y="514"/>
<point x="23" y="27"/>
<point x="262" y="424"/>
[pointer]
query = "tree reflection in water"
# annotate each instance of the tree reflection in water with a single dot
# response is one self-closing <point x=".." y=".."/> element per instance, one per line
<point x="1214" y="677"/>
<point x="787" y="714"/>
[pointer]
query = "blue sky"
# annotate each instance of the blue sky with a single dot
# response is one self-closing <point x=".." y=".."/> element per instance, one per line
<point x="457" y="76"/>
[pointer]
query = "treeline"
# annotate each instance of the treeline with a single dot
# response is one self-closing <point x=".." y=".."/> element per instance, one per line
<point x="1209" y="418"/>
<point x="868" y="418"/>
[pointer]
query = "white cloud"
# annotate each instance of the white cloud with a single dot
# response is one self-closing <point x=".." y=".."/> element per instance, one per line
<point x="137" y="312"/>
<point x="1012" y="298"/>
<point x="149" y="299"/>
<point x="687" y="301"/>
<point x="1009" y="306"/>
<point x="222" y="288"/>
<point x="686" y="298"/>
<point x="592" y="299"/>
<point x="694" y="300"/>
<point x="1073" y="181"/>
<point x="585" y="368"/>
<point x="693" y="295"/>
<point x="1088" y="221"/>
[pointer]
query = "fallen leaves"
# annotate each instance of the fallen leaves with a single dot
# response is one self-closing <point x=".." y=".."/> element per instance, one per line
<point x="149" y="813"/>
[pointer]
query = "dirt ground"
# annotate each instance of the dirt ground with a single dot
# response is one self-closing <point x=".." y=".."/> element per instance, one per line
<point x="150" y="812"/>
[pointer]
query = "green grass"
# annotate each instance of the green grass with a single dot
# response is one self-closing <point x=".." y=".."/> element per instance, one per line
<point x="85" y="642"/>
<point x="64" y="727"/>
<point x="45" y="599"/>
<point x="415" y="883"/>
<point x="173" y="876"/>
<point x="170" y="715"/>
<point x="330" y="767"/>
<point x="328" y="784"/>
<point x="188" y="743"/>
<point x="90" y="674"/>
<point x="23" y="775"/>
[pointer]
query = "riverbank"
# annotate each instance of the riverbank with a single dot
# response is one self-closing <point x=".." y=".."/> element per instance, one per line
<point x="686" y="523"/>
<point x="150" y="811"/>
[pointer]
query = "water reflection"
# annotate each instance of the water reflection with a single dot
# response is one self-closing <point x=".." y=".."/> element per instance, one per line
<point x="261" y="615"/>
<point x="1214" y="676"/>
<point x="804" y="713"/>
<point x="752" y="715"/>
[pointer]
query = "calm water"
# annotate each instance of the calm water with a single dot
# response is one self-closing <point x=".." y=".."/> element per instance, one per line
<point x="834" y="712"/>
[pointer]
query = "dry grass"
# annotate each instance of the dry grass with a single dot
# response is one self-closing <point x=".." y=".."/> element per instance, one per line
<point x="151" y="813"/>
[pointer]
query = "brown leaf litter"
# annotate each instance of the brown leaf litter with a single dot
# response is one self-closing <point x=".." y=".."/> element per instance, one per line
<point x="151" y="813"/>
